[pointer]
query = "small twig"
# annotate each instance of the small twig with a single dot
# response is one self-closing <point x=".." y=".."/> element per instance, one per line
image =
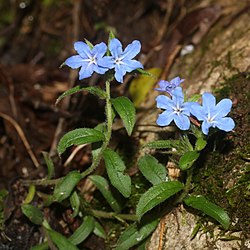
<point x="162" y="228"/>
<point x="23" y="138"/>
<point x="73" y="154"/>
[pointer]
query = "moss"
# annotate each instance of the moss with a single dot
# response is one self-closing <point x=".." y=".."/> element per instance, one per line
<point x="224" y="177"/>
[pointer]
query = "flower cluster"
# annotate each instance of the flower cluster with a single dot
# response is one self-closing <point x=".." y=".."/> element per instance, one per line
<point x="209" y="113"/>
<point x="168" y="87"/>
<point x="93" y="59"/>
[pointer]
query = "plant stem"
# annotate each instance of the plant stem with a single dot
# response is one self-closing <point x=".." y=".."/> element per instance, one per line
<point x="186" y="187"/>
<point x="112" y="215"/>
<point x="108" y="110"/>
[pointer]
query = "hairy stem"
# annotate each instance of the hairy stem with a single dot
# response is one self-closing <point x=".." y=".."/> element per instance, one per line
<point x="187" y="186"/>
<point x="112" y="215"/>
<point x="108" y="110"/>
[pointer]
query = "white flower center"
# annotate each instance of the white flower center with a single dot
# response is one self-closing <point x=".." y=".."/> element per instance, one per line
<point x="92" y="60"/>
<point x="177" y="110"/>
<point x="118" y="61"/>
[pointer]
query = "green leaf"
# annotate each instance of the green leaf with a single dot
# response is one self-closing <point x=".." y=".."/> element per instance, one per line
<point x="33" y="213"/>
<point x="43" y="246"/>
<point x="141" y="86"/>
<point x="103" y="186"/>
<point x="188" y="159"/>
<point x="147" y="73"/>
<point x="115" y="169"/>
<point x="111" y="36"/>
<point x="30" y="195"/>
<point x="83" y="231"/>
<point x="201" y="203"/>
<point x="91" y="46"/>
<point x="75" y="203"/>
<point x="135" y="234"/>
<point x="50" y="165"/>
<point x="126" y="110"/>
<point x="99" y="230"/>
<point x="162" y="144"/>
<point x="65" y="187"/>
<point x="61" y="241"/>
<point x="152" y="170"/>
<point x="78" y="137"/>
<point x="157" y="194"/>
<point x="194" y="98"/>
<point x="200" y="144"/>
<point x="93" y="90"/>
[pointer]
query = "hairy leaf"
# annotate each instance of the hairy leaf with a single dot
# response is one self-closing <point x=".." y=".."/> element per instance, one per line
<point x="33" y="213"/>
<point x="126" y="110"/>
<point x="65" y="187"/>
<point x="78" y="137"/>
<point x="99" y="230"/>
<point x="135" y="234"/>
<point x="93" y="90"/>
<point x="152" y="170"/>
<point x="200" y="144"/>
<point x="75" y="203"/>
<point x="188" y="159"/>
<point x="50" y="165"/>
<point x="103" y="186"/>
<point x="115" y="169"/>
<point x="30" y="195"/>
<point x="82" y="232"/>
<point x="162" y="144"/>
<point x="61" y="241"/>
<point x="157" y="194"/>
<point x="201" y="203"/>
<point x="42" y="246"/>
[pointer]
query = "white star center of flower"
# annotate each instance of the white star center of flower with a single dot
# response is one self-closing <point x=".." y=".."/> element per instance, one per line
<point x="92" y="60"/>
<point x="118" y="61"/>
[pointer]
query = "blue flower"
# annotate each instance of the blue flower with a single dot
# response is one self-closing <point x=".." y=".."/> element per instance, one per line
<point x="175" y="110"/>
<point x="168" y="87"/>
<point x="87" y="59"/>
<point x="121" y="61"/>
<point x="212" y="114"/>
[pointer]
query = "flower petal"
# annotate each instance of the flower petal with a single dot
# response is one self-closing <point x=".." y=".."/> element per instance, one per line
<point x="208" y="102"/>
<point x="82" y="49"/>
<point x="165" y="118"/>
<point x="176" y="81"/>
<point x="130" y="65"/>
<point x="163" y="84"/>
<point x="182" y="122"/>
<point x="205" y="127"/>
<point x="222" y="108"/>
<point x="99" y="50"/>
<point x="226" y="124"/>
<point x="164" y="102"/>
<point x="132" y="50"/>
<point x="100" y="70"/>
<point x="198" y="111"/>
<point x="86" y="71"/>
<point x="119" y="73"/>
<point x="177" y="96"/>
<point x="106" y="62"/>
<point x="115" y="47"/>
<point x="74" y="62"/>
